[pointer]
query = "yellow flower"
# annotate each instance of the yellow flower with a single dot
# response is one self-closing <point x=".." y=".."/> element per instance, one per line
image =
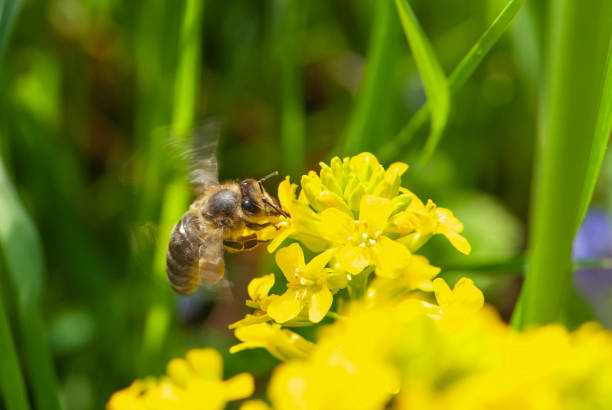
<point x="307" y="286"/>
<point x="194" y="383"/>
<point x="303" y="224"/>
<point x="362" y="243"/>
<point x="343" y="183"/>
<point x="420" y="221"/>
<point x="255" y="405"/>
<point x="465" y="297"/>
<point x="258" y="289"/>
<point x="281" y="343"/>
<point x="417" y="275"/>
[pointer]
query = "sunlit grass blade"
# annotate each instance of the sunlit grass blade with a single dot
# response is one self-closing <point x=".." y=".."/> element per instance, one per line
<point x="22" y="252"/>
<point x="176" y="195"/>
<point x="373" y="97"/>
<point x="456" y="79"/>
<point x="293" y="122"/>
<point x="579" y="41"/>
<point x="432" y="75"/>
<point x="11" y="380"/>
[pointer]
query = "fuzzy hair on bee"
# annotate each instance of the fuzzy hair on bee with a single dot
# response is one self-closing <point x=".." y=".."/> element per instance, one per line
<point x="216" y="220"/>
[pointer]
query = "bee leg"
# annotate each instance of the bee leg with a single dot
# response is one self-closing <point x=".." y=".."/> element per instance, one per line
<point x="257" y="227"/>
<point x="236" y="246"/>
<point x="252" y="244"/>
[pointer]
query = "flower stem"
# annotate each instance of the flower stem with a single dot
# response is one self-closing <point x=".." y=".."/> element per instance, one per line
<point x="359" y="283"/>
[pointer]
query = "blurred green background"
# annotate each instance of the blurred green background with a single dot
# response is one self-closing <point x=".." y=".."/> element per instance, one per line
<point x="87" y="99"/>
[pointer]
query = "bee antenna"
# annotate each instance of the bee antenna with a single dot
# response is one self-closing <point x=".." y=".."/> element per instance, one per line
<point x="270" y="175"/>
<point x="276" y="208"/>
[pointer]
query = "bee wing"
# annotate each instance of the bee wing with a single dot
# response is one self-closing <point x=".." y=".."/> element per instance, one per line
<point x="203" y="167"/>
<point x="211" y="265"/>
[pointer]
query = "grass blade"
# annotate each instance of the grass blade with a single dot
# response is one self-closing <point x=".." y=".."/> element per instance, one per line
<point x="600" y="141"/>
<point x="457" y="78"/>
<point x="176" y="195"/>
<point x="365" y="122"/>
<point x="293" y="123"/>
<point x="434" y="81"/>
<point x="24" y="259"/>
<point x="12" y="385"/>
<point x="578" y="44"/>
<point x="8" y="13"/>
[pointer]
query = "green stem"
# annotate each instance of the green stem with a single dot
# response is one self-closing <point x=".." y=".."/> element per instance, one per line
<point x="578" y="43"/>
<point x="358" y="284"/>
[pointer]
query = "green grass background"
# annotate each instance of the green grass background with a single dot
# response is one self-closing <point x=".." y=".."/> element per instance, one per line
<point x="502" y="108"/>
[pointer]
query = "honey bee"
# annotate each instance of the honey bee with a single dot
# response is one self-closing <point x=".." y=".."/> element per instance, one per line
<point x="225" y="215"/>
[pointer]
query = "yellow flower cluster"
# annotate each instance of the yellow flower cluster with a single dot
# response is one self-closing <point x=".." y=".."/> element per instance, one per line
<point x="391" y="344"/>
<point x="193" y="383"/>
<point x="359" y="220"/>
<point x="454" y="354"/>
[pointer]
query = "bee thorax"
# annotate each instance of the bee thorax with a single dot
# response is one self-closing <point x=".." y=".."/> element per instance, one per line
<point x="222" y="204"/>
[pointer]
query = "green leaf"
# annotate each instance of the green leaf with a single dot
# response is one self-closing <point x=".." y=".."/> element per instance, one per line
<point x="457" y="78"/>
<point x="434" y="81"/>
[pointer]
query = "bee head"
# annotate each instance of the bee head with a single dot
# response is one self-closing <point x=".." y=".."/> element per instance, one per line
<point x="256" y="201"/>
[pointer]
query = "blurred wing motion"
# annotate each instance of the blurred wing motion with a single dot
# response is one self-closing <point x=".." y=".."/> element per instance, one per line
<point x="202" y="157"/>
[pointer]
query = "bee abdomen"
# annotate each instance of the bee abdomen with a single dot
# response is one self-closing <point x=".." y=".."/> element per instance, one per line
<point x="183" y="256"/>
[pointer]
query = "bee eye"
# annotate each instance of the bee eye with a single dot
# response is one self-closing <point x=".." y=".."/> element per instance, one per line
<point x="249" y="206"/>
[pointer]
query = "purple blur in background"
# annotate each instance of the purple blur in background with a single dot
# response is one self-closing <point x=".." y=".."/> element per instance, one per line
<point x="594" y="241"/>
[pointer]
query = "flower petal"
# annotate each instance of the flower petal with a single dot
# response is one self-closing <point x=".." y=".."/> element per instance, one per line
<point x="468" y="295"/>
<point x="375" y="211"/>
<point x="280" y="237"/>
<point x="238" y="387"/>
<point x="337" y="225"/>
<point x="320" y="302"/>
<point x="448" y="220"/>
<point x="353" y="259"/>
<point x="465" y="295"/>
<point x="391" y="258"/>
<point x="286" y="193"/>
<point x="290" y="260"/>
<point x="179" y="371"/>
<point x="285" y="307"/>
<point x="443" y="292"/>
<point x="207" y="363"/>
<point x="260" y="287"/>
<point x="458" y="242"/>
<point x="314" y="268"/>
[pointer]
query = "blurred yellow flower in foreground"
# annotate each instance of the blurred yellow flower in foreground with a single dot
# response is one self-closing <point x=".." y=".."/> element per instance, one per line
<point x="281" y="343"/>
<point x="193" y="383"/>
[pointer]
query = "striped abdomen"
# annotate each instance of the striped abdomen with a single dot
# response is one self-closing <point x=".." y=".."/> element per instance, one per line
<point x="195" y="253"/>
